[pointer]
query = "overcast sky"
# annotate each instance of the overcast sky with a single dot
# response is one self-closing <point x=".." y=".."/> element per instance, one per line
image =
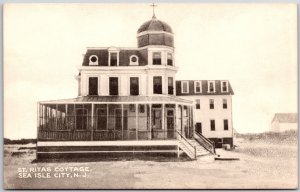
<point x="254" y="46"/>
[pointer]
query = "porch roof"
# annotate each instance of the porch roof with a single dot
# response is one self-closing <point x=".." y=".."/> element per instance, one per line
<point x="120" y="99"/>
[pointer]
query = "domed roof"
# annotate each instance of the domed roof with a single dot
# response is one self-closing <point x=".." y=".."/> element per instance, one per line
<point x="155" y="25"/>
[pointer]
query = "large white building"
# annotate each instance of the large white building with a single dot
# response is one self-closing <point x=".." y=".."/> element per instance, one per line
<point x="128" y="101"/>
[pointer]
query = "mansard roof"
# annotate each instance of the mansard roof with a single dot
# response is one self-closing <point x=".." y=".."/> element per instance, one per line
<point x="124" y="56"/>
<point x="204" y="88"/>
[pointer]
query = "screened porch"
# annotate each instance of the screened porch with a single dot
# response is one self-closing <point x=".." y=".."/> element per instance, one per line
<point x="95" y="121"/>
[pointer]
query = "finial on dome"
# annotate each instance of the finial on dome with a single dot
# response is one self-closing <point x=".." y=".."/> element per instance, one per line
<point x="153" y="6"/>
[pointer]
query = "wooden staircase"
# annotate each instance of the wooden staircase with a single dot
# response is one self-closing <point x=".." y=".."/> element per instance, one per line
<point x="196" y="147"/>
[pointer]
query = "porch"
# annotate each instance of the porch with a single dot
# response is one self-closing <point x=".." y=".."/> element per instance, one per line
<point x="132" y="118"/>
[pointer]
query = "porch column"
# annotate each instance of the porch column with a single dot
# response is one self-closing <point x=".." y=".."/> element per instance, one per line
<point x="122" y="118"/>
<point x="56" y="117"/>
<point x="163" y="120"/>
<point x="175" y="121"/>
<point x="136" y="120"/>
<point x="150" y="121"/>
<point x="38" y="120"/>
<point x="92" y="131"/>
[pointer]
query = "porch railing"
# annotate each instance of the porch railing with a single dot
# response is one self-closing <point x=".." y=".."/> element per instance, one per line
<point x="186" y="146"/>
<point x="206" y="143"/>
<point x="105" y="135"/>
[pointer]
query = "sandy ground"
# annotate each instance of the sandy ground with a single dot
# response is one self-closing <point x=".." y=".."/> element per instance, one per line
<point x="261" y="165"/>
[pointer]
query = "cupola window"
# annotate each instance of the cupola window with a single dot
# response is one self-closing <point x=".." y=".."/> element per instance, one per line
<point x="156" y="58"/>
<point x="93" y="60"/>
<point x="170" y="59"/>
<point x="170" y="86"/>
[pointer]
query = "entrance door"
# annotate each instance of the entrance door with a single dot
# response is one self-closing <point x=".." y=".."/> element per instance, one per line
<point x="170" y="123"/>
<point x="156" y="119"/>
<point x="198" y="128"/>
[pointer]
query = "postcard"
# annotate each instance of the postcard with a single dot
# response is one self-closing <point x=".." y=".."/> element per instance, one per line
<point x="150" y="96"/>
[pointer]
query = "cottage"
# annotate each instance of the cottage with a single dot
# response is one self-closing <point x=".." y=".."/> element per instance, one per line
<point x="129" y="102"/>
<point x="284" y="122"/>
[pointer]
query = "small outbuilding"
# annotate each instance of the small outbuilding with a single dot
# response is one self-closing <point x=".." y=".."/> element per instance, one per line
<point x="284" y="122"/>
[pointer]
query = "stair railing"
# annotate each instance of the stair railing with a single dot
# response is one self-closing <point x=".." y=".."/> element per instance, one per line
<point x="206" y="143"/>
<point x="187" y="144"/>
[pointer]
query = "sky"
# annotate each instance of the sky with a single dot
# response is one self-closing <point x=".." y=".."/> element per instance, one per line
<point x="254" y="46"/>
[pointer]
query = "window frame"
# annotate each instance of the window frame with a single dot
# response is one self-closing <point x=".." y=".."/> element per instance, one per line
<point x="91" y="63"/>
<point x="227" y="88"/>
<point x="88" y="83"/>
<point x="138" y="80"/>
<point x="156" y="52"/>
<point x="109" y="85"/>
<point x="172" y="86"/>
<point x="198" y="106"/>
<point x="134" y="63"/>
<point x="187" y="82"/>
<point x="225" y="104"/>
<point x="226" y="128"/>
<point x="195" y="87"/>
<point x="212" y="125"/>
<point x="208" y="86"/>
<point x="211" y="104"/>
<point x="172" y="59"/>
<point x="109" y="58"/>
<point x="161" y="84"/>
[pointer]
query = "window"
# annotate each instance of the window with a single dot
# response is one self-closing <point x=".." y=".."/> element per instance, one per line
<point x="184" y="87"/>
<point x="224" y="86"/>
<point x="211" y="104"/>
<point x="211" y="86"/>
<point x="225" y="124"/>
<point x="197" y="86"/>
<point x="93" y="60"/>
<point x="156" y="58"/>
<point x="170" y="59"/>
<point x="212" y="125"/>
<point x="133" y="60"/>
<point x="170" y="86"/>
<point x="198" y="128"/>
<point x="113" y="86"/>
<point x="197" y="103"/>
<point x="113" y="59"/>
<point x="157" y="85"/>
<point x="134" y="86"/>
<point x="93" y="85"/>
<point x="224" y="103"/>
<point x="81" y="119"/>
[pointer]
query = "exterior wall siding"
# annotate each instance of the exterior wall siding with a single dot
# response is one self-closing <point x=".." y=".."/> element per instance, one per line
<point x="205" y="114"/>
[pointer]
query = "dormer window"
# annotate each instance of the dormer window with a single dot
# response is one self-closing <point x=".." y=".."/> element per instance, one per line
<point x="93" y="60"/>
<point x="197" y="86"/>
<point x="156" y="58"/>
<point x="133" y="60"/>
<point x="184" y="87"/>
<point x="224" y="86"/>
<point x="113" y="58"/>
<point x="170" y="59"/>
<point x="211" y="87"/>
